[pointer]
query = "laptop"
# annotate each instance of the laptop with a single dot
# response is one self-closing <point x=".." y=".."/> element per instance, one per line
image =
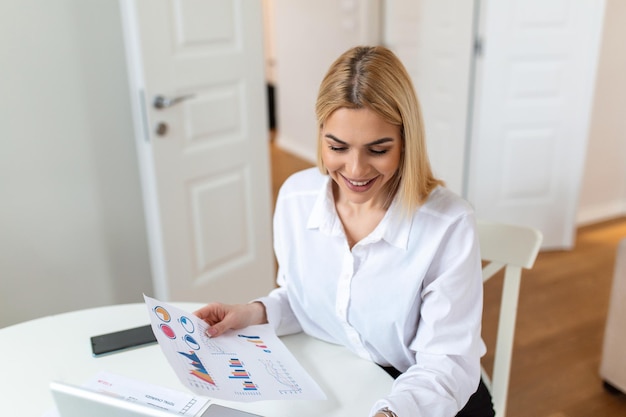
<point x="75" y="401"/>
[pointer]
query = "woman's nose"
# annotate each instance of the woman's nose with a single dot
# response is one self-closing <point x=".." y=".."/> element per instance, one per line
<point x="357" y="165"/>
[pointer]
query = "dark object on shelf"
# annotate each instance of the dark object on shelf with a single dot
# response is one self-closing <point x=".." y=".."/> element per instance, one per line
<point x="271" y="104"/>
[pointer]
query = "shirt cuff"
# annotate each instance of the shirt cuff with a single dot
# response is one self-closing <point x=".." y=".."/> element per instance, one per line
<point x="272" y="311"/>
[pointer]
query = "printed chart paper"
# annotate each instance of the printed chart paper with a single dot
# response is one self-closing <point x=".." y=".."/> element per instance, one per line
<point x="250" y="364"/>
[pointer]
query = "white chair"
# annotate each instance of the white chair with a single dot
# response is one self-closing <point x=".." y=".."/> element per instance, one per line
<point x="512" y="248"/>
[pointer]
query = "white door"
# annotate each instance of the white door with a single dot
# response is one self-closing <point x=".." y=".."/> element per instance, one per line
<point x="203" y="149"/>
<point x="534" y="95"/>
<point x="434" y="39"/>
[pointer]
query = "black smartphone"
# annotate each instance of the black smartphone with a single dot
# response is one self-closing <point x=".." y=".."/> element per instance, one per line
<point x="122" y="340"/>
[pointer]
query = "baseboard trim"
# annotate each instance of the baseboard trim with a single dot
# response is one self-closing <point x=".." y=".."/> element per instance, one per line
<point x="600" y="212"/>
<point x="291" y="146"/>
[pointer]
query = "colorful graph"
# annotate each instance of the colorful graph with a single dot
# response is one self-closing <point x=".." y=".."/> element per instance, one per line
<point x="245" y="365"/>
<point x="187" y="324"/>
<point x="239" y="374"/>
<point x="235" y="363"/>
<point x="162" y="314"/>
<point x="198" y="369"/>
<point x="167" y="331"/>
<point x="191" y="342"/>
<point x="257" y="341"/>
<point x="249" y="386"/>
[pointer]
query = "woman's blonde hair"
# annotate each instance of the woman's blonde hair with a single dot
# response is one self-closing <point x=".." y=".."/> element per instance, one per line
<point x="373" y="77"/>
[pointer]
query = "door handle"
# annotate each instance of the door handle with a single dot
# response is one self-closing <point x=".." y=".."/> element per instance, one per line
<point x="162" y="102"/>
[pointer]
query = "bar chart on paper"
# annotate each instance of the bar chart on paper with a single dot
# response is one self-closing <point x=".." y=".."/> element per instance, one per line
<point x="249" y="365"/>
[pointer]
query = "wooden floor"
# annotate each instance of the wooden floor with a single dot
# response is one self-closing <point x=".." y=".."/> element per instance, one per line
<point x="560" y="325"/>
<point x="283" y="164"/>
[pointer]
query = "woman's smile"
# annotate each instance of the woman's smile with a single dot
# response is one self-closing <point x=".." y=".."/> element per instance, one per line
<point x="359" y="185"/>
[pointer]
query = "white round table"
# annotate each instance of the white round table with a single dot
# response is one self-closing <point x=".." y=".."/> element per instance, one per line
<point x="34" y="353"/>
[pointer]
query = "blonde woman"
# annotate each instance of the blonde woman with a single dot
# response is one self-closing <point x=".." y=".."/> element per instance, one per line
<point x="374" y="252"/>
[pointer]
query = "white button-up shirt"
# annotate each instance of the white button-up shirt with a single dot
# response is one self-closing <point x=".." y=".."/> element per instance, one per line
<point x="409" y="295"/>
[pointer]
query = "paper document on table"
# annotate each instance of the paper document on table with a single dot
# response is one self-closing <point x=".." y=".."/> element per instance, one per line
<point x="117" y="387"/>
<point x="250" y="364"/>
<point x="177" y="402"/>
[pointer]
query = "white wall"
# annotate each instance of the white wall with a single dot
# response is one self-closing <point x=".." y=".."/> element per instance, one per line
<point x="72" y="231"/>
<point x="603" y="193"/>
<point x="309" y="36"/>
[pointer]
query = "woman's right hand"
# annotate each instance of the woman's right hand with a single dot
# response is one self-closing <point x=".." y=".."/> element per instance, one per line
<point x="222" y="317"/>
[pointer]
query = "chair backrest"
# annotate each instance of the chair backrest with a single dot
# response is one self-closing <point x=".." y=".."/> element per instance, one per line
<point x="512" y="248"/>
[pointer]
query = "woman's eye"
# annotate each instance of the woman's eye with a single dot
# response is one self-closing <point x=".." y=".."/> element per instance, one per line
<point x="337" y="148"/>
<point x="378" y="151"/>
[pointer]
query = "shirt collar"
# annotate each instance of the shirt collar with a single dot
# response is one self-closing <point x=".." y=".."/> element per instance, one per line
<point x="323" y="215"/>
<point x="394" y="228"/>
